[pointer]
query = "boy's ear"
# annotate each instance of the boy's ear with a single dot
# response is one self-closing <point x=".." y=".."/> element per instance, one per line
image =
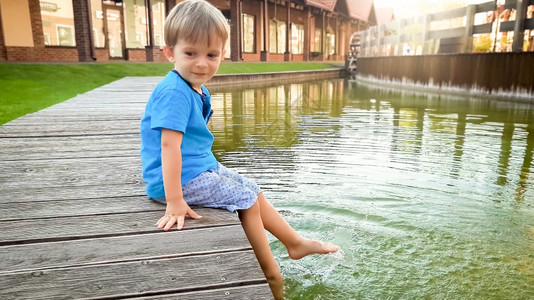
<point x="168" y="53"/>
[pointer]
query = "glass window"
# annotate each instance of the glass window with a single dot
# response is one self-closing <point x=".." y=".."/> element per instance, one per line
<point x="318" y="40"/>
<point x="227" y="48"/>
<point x="114" y="21"/>
<point x="249" y="45"/>
<point x="272" y="36"/>
<point x="281" y="37"/>
<point x="158" y="16"/>
<point x="58" y="22"/>
<point x="297" y="38"/>
<point x="97" y="16"/>
<point x="135" y="23"/>
<point x="330" y="42"/>
<point x="277" y="32"/>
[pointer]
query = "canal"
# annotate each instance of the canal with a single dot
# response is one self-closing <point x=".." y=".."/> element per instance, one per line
<point x="429" y="196"/>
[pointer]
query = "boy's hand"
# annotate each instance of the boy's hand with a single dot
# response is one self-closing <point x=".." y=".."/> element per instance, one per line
<point x="175" y="214"/>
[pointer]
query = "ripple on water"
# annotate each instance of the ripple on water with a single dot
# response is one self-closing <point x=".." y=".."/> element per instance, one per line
<point x="429" y="198"/>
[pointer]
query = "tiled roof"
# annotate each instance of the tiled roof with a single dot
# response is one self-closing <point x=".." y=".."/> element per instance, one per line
<point x="324" y="4"/>
<point x="360" y="9"/>
<point x="357" y="9"/>
<point x="384" y="15"/>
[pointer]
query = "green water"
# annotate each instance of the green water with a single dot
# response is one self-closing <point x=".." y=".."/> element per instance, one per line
<point x="429" y="196"/>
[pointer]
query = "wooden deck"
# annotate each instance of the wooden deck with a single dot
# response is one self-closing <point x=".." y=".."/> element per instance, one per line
<point x="75" y="223"/>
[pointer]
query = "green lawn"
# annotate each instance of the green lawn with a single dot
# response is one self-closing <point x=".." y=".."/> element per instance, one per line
<point x="27" y="88"/>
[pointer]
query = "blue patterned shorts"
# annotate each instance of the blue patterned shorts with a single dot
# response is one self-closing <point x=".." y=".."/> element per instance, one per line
<point x="220" y="188"/>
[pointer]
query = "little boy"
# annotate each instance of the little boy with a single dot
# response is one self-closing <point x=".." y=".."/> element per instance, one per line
<point x="178" y="165"/>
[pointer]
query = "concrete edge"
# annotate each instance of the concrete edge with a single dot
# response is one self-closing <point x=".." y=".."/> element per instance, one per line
<point x="396" y="85"/>
<point x="225" y="79"/>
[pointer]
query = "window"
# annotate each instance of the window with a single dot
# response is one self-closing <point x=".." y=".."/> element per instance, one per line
<point x="297" y="38"/>
<point x="135" y="23"/>
<point x="277" y="33"/>
<point x="158" y="16"/>
<point x="65" y="35"/>
<point x="330" y="42"/>
<point x="273" y="40"/>
<point x="248" y="40"/>
<point x="58" y="22"/>
<point x="97" y="16"/>
<point x="46" y="38"/>
<point x="228" y="50"/>
<point x="318" y="40"/>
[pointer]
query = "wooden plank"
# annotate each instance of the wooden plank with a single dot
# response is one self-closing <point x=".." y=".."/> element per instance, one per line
<point x="484" y="28"/>
<point x="448" y="14"/>
<point x="55" y="117"/>
<point x="75" y="125"/>
<point x="511" y="4"/>
<point x="104" y="225"/>
<point x="45" y="193"/>
<point x="69" y="147"/>
<point x="127" y="83"/>
<point x="138" y="278"/>
<point x="110" y="97"/>
<point x="257" y="292"/>
<point x="21" y="134"/>
<point x="447" y="33"/>
<point x="75" y="207"/>
<point x="486" y="6"/>
<point x="114" y="127"/>
<point x="71" y="172"/>
<point x="93" y="107"/>
<point x="70" y="189"/>
<point x="99" y="100"/>
<point x="506" y="26"/>
<point x="53" y="255"/>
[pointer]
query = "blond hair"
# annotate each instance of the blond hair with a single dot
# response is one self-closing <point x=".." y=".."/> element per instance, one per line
<point x="195" y="21"/>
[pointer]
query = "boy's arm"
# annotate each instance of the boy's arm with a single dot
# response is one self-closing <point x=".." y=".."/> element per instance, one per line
<point x="171" y="164"/>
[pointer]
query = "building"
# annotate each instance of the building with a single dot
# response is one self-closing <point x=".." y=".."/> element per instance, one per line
<point x="132" y="30"/>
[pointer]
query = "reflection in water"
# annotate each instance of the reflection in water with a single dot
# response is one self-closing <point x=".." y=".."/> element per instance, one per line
<point x="271" y="115"/>
<point x="429" y="196"/>
<point x="459" y="142"/>
<point x="506" y="150"/>
<point x="526" y="170"/>
<point x="443" y="112"/>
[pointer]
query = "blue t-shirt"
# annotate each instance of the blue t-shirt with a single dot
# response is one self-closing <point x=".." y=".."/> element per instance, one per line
<point x="175" y="105"/>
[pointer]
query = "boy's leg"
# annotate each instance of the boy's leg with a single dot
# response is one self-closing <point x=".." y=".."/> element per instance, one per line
<point x="297" y="246"/>
<point x="253" y="227"/>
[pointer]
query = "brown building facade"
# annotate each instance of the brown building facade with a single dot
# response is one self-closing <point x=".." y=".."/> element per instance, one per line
<point x="132" y="30"/>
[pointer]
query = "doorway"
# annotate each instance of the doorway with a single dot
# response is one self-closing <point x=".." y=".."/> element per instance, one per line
<point x="114" y="28"/>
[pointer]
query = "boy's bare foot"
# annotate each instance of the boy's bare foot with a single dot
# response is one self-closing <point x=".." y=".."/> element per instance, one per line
<point x="307" y="247"/>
